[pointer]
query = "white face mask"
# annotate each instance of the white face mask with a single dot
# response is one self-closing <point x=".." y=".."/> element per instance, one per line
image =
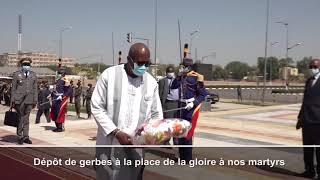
<point x="183" y="69"/>
<point x="314" y="71"/>
<point x="170" y="75"/>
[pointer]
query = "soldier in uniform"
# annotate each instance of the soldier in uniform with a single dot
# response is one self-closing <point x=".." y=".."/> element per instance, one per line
<point x="24" y="97"/>
<point x="77" y="98"/>
<point x="60" y="101"/>
<point x="6" y="94"/>
<point x="192" y="93"/>
<point x="83" y="97"/>
<point x="72" y="91"/>
<point x="88" y="99"/>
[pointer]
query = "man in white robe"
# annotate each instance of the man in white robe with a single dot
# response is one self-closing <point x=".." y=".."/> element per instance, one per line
<point x="125" y="96"/>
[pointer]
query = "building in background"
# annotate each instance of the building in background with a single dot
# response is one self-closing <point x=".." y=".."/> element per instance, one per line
<point x="39" y="59"/>
<point x="287" y="72"/>
<point x="43" y="74"/>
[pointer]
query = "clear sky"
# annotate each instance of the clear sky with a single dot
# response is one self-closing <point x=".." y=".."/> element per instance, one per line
<point x="234" y="29"/>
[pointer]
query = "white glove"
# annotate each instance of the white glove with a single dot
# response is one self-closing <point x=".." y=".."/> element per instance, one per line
<point x="189" y="106"/>
<point x="59" y="98"/>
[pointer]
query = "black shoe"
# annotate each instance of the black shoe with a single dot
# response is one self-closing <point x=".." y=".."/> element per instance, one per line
<point x="57" y="130"/>
<point x="307" y="174"/>
<point x="20" y="141"/>
<point x="28" y="141"/>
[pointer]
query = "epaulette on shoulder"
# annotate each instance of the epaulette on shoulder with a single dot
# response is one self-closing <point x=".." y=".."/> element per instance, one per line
<point x="195" y="74"/>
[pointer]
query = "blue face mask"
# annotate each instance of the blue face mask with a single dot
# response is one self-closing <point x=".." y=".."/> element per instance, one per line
<point x="26" y="68"/>
<point x="139" y="70"/>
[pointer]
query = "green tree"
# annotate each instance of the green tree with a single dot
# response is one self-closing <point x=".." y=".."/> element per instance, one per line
<point x="237" y="69"/>
<point x="273" y="63"/>
<point x="219" y="73"/>
<point x="303" y="66"/>
<point x="67" y="70"/>
<point x="286" y="62"/>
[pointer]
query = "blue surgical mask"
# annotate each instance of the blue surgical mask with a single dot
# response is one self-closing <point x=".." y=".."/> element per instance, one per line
<point x="26" y="68"/>
<point x="139" y="70"/>
<point x="314" y="71"/>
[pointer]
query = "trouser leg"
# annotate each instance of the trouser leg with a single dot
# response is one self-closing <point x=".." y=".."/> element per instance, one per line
<point x="24" y="111"/>
<point x="77" y="107"/>
<point x="46" y="113"/>
<point x="88" y="107"/>
<point x="26" y="120"/>
<point x="39" y="114"/>
<point x="308" y="152"/>
<point x="20" y="123"/>
<point x="185" y="152"/>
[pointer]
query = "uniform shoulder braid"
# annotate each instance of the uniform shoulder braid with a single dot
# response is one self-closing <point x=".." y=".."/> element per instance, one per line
<point x="200" y="77"/>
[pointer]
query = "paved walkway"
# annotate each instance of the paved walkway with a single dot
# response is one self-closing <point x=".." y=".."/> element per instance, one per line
<point x="227" y="124"/>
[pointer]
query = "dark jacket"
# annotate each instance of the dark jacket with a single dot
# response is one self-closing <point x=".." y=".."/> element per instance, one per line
<point x="310" y="109"/>
<point x="163" y="90"/>
<point x="43" y="99"/>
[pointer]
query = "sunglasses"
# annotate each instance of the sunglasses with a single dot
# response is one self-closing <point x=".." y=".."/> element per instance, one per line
<point x="146" y="64"/>
<point x="25" y="64"/>
<point x="313" y="67"/>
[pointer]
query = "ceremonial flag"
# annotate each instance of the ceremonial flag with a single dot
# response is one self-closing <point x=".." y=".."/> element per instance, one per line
<point x="57" y="112"/>
<point x="194" y="119"/>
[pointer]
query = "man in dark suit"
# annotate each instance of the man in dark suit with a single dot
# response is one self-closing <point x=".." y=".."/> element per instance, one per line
<point x="43" y="103"/>
<point x="169" y="97"/>
<point x="24" y="97"/>
<point x="309" y="120"/>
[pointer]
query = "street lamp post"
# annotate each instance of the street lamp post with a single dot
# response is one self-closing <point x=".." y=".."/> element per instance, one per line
<point x="60" y="43"/>
<point x="271" y="45"/>
<point x="297" y="44"/>
<point x="287" y="35"/>
<point x="212" y="54"/>
<point x="94" y="55"/>
<point x="289" y="48"/>
<point x="192" y="35"/>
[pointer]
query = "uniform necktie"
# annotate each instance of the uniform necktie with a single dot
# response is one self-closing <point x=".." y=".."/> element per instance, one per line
<point x="26" y="74"/>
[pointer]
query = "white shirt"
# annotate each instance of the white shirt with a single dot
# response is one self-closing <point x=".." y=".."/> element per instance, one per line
<point x="119" y="102"/>
<point x="316" y="77"/>
<point x="133" y="104"/>
<point x="173" y="94"/>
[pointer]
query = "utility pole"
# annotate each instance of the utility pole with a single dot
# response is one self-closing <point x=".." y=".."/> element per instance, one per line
<point x="180" y="50"/>
<point x="19" y="37"/>
<point x="112" y="50"/>
<point x="155" y="33"/>
<point x="265" y="52"/>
